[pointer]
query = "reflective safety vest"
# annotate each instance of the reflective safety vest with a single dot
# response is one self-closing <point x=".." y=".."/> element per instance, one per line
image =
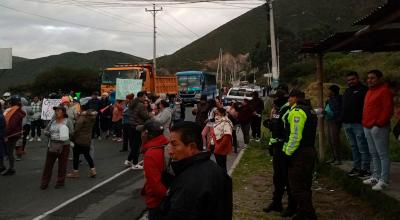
<point x="300" y="127"/>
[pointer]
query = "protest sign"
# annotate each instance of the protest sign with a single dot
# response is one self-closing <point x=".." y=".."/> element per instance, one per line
<point x="47" y="108"/>
<point x="128" y="86"/>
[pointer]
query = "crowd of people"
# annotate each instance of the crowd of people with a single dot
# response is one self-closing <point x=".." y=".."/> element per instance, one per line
<point x="363" y="111"/>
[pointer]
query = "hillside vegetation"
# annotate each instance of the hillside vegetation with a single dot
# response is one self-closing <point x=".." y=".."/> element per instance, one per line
<point x="26" y="70"/>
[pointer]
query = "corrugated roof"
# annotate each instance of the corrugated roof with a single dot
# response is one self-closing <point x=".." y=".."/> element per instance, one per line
<point x="383" y="40"/>
<point x="379" y="13"/>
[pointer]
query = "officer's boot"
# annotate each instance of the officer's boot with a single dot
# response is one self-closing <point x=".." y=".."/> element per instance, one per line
<point x="274" y="206"/>
<point x="290" y="210"/>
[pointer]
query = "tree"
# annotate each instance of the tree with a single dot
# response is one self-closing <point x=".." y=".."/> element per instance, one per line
<point x="83" y="80"/>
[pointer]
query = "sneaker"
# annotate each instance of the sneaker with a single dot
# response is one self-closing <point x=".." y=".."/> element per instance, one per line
<point x="364" y="173"/>
<point x="337" y="163"/>
<point x="9" y="172"/>
<point x="43" y="187"/>
<point x="38" y="139"/>
<point x="119" y="140"/>
<point x="92" y="173"/>
<point x="31" y="139"/>
<point x="128" y="163"/>
<point x="73" y="174"/>
<point x="99" y="138"/>
<point x="380" y="186"/>
<point x="27" y="137"/>
<point x="17" y="158"/>
<point x="354" y="172"/>
<point x="137" y="167"/>
<point x="371" y="181"/>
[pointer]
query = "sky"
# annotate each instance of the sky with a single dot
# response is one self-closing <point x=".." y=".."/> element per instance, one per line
<point x="38" y="28"/>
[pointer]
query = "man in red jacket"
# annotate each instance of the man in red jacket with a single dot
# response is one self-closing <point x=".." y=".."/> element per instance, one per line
<point x="378" y="110"/>
<point x="153" y="164"/>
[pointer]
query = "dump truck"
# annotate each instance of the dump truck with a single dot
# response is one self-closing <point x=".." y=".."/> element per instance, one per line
<point x="152" y="84"/>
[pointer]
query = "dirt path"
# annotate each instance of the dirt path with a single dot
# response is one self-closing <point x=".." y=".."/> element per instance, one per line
<point x="253" y="191"/>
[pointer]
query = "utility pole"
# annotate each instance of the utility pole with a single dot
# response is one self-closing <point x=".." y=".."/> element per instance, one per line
<point x="154" y="12"/>
<point x="275" y="74"/>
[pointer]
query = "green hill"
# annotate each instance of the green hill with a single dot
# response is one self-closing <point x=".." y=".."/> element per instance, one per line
<point x="296" y="22"/>
<point x="25" y="70"/>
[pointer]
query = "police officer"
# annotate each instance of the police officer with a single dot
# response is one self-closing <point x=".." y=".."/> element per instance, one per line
<point x="300" y="127"/>
<point x="279" y="163"/>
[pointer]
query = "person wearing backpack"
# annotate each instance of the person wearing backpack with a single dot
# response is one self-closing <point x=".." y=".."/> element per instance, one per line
<point x="153" y="146"/>
<point x="333" y="110"/>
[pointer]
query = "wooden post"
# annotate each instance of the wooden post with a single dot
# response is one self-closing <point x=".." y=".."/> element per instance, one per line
<point x="320" y="103"/>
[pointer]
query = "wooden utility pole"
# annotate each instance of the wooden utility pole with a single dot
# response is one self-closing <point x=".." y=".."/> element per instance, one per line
<point x="275" y="72"/>
<point x="154" y="12"/>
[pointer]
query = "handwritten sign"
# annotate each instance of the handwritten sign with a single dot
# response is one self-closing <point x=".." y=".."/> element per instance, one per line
<point x="47" y="108"/>
<point x="127" y="86"/>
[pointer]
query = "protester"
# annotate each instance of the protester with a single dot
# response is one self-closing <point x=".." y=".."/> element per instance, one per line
<point x="154" y="143"/>
<point x="76" y="104"/>
<point x="333" y="110"/>
<point x="164" y="117"/>
<point x="178" y="110"/>
<point x="94" y="104"/>
<point x="59" y="131"/>
<point x="36" y="124"/>
<point x="138" y="115"/>
<point x="207" y="141"/>
<point x="82" y="140"/>
<point x="127" y="132"/>
<point x="2" y="136"/>
<point x="233" y="113"/>
<point x="13" y="118"/>
<point x="378" y="110"/>
<point x="188" y="196"/>
<point x="279" y="163"/>
<point x="117" y="112"/>
<point x="26" y="128"/>
<point x="244" y="118"/>
<point x="201" y="111"/>
<point x="257" y="106"/>
<point x="105" y="114"/>
<point x="300" y="132"/>
<point x="352" y="111"/>
<point x="72" y="112"/>
<point x="147" y="106"/>
<point x="222" y="136"/>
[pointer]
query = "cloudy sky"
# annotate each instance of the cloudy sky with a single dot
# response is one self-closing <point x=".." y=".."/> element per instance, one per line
<point x="37" y="28"/>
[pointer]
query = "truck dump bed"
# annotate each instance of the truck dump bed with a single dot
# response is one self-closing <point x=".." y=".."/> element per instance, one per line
<point x="166" y="85"/>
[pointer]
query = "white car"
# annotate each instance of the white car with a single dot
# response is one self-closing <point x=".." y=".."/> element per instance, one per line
<point x="238" y="94"/>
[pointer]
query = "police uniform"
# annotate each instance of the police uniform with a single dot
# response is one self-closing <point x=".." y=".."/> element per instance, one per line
<point x="279" y="162"/>
<point x="300" y="127"/>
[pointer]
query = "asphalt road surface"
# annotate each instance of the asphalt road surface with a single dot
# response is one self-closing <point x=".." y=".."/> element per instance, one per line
<point x="114" y="193"/>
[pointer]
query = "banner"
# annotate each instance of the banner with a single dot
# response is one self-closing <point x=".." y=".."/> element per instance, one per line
<point x="128" y="86"/>
<point x="47" y="108"/>
<point x="5" y="58"/>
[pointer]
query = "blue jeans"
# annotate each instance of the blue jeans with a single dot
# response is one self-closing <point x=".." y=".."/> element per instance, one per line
<point x="359" y="146"/>
<point x="378" y="142"/>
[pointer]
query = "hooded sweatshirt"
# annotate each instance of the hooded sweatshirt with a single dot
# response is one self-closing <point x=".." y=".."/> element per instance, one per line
<point x="153" y="164"/>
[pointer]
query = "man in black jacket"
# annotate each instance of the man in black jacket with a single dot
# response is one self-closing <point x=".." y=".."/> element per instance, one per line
<point x="257" y="106"/>
<point x="200" y="189"/>
<point x="353" y="104"/>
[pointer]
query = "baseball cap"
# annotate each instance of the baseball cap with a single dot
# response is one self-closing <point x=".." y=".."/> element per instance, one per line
<point x="153" y="128"/>
<point x="59" y="107"/>
<point x="296" y="93"/>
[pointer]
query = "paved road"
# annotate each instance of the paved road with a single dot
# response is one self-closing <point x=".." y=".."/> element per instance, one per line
<point x="21" y="198"/>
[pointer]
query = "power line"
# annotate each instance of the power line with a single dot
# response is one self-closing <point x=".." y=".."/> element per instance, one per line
<point x="181" y="24"/>
<point x="70" y="22"/>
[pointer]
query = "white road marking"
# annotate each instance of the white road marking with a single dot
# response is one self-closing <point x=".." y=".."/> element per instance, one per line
<point x="62" y="205"/>
<point x="236" y="162"/>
